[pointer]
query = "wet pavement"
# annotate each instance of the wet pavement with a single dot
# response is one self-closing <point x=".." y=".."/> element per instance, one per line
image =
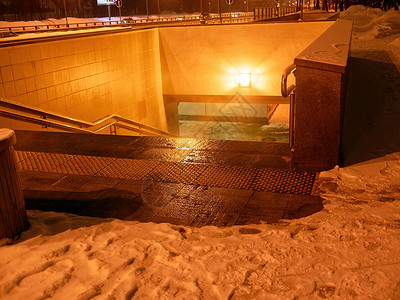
<point x="154" y="179"/>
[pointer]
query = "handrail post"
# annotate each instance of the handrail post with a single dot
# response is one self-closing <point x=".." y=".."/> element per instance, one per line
<point x="113" y="129"/>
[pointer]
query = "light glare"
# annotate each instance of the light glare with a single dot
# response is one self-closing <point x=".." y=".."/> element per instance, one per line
<point x="244" y="79"/>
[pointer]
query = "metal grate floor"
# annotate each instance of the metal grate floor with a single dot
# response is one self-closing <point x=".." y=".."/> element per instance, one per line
<point x="267" y="180"/>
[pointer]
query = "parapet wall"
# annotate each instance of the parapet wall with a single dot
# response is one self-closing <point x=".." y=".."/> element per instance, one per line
<point x="321" y="76"/>
<point x="87" y="77"/>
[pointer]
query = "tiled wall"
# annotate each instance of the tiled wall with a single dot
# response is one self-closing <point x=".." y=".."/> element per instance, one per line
<point x="88" y="77"/>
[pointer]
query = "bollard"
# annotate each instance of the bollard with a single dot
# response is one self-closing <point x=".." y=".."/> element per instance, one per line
<point x="13" y="218"/>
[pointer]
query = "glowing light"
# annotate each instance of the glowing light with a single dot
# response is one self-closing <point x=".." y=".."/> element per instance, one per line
<point x="244" y="79"/>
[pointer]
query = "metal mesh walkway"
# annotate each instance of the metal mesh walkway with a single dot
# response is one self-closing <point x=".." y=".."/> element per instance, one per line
<point x="267" y="180"/>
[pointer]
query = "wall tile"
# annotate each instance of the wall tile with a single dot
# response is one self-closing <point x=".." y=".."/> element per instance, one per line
<point x="56" y="63"/>
<point x="59" y="91"/>
<point x="65" y="75"/>
<point x="30" y="84"/>
<point x="42" y="96"/>
<point x="33" y="98"/>
<point x="35" y="53"/>
<point x="2" y="93"/>
<point x="82" y="85"/>
<point x="9" y="90"/>
<point x="67" y="88"/>
<point x="25" y="54"/>
<point x="7" y="74"/>
<point x="20" y="87"/>
<point x="64" y="63"/>
<point x="44" y="51"/>
<point x="15" y="55"/>
<point x="57" y="77"/>
<point x="62" y="50"/>
<point x="38" y="67"/>
<point x="40" y="82"/>
<point x="5" y="57"/>
<point x="93" y="70"/>
<point x="92" y="57"/>
<point x="53" y="50"/>
<point x="23" y="98"/>
<point x="28" y="69"/>
<point x="73" y="73"/>
<point x="47" y="66"/>
<point x="51" y="93"/>
<point x="49" y="79"/>
<point x="71" y="60"/>
<point x="74" y="86"/>
<point x="97" y="54"/>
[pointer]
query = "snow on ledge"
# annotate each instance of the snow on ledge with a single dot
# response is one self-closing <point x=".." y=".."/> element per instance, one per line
<point x="330" y="50"/>
<point x="7" y="138"/>
<point x="5" y="134"/>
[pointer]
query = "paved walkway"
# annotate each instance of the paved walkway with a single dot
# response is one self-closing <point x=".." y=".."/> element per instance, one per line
<point x="151" y="179"/>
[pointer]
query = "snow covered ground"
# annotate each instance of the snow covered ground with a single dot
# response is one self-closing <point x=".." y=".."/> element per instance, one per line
<point x="349" y="250"/>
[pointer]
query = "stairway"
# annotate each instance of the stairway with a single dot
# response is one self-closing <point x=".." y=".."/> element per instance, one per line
<point x="159" y="179"/>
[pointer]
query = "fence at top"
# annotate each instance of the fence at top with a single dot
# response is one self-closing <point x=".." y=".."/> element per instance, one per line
<point x="262" y="13"/>
<point x="235" y="17"/>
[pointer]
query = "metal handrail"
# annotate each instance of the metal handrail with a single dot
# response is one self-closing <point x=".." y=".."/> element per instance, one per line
<point x="26" y="113"/>
<point x="285" y="91"/>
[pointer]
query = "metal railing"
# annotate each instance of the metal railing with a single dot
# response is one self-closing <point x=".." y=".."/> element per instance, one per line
<point x="46" y="119"/>
<point x="214" y="18"/>
<point x="263" y="13"/>
<point x="286" y="92"/>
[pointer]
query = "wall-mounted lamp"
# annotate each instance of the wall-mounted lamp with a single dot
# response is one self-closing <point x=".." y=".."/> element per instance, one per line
<point x="245" y="79"/>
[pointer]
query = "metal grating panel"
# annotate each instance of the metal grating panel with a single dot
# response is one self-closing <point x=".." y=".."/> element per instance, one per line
<point x="228" y="177"/>
<point x="39" y="161"/>
<point x="128" y="169"/>
<point x="84" y="165"/>
<point x="284" y="181"/>
<point x="268" y="180"/>
<point x="176" y="172"/>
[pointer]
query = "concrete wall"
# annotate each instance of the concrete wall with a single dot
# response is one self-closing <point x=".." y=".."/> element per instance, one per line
<point x="88" y="77"/>
<point x="206" y="60"/>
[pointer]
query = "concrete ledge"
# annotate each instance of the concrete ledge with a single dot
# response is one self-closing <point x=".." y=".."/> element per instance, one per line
<point x="330" y="50"/>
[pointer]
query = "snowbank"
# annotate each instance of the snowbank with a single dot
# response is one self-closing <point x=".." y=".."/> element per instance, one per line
<point x="373" y="22"/>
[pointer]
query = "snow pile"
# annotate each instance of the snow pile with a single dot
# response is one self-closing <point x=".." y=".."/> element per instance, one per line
<point x="373" y="22"/>
<point x="50" y="21"/>
<point x="348" y="250"/>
